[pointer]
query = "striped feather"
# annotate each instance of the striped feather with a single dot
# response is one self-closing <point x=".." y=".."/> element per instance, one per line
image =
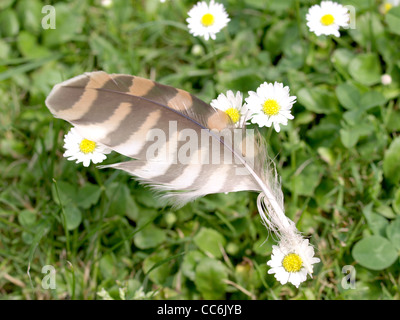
<point x="118" y="111"/>
<point x="122" y="111"/>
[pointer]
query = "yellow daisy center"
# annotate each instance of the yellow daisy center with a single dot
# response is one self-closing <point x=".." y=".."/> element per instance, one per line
<point x="87" y="146"/>
<point x="233" y="114"/>
<point x="292" y="262"/>
<point x="327" y="19"/>
<point x="207" y="20"/>
<point x="271" y="107"/>
<point x="387" y="7"/>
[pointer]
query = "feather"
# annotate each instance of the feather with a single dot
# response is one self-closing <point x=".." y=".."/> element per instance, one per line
<point x="120" y="111"/>
<point x="154" y="125"/>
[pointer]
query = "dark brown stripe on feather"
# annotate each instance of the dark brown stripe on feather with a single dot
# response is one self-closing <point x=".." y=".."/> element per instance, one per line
<point x="119" y="83"/>
<point x="161" y="93"/>
<point x="66" y="97"/>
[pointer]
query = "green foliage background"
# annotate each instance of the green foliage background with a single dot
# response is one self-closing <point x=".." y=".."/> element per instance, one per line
<point x="106" y="234"/>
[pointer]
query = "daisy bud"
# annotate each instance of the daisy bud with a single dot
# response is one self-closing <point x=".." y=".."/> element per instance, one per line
<point x="197" y="50"/>
<point x="386" y="79"/>
<point x="107" y="3"/>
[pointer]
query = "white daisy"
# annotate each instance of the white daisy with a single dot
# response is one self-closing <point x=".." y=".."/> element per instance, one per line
<point x="292" y="264"/>
<point x="232" y="105"/>
<point x="207" y="20"/>
<point x="389" y="4"/>
<point x="271" y="104"/>
<point x="83" y="150"/>
<point x="327" y="17"/>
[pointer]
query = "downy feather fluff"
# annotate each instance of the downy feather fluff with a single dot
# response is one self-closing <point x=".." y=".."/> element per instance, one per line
<point x="119" y="110"/>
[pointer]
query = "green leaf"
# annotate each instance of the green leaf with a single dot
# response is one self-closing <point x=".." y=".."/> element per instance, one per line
<point x="394" y="121"/>
<point x="121" y="201"/>
<point x="304" y="117"/>
<point x="369" y="27"/>
<point x="353" y="117"/>
<point x="391" y="163"/>
<point x="27" y="238"/>
<point x="262" y="246"/>
<point x="4" y="49"/>
<point x="376" y="222"/>
<point x="42" y="229"/>
<point x="30" y="15"/>
<point x="24" y="68"/>
<point x="273" y="5"/>
<point x="386" y="211"/>
<point x="26" y="218"/>
<point x="73" y="216"/>
<point x="349" y="137"/>
<point x="209" y="240"/>
<point x="360" y="4"/>
<point x="375" y="253"/>
<point x="88" y="195"/>
<point x="66" y="192"/>
<point x="273" y="38"/>
<point x="106" y="52"/>
<point x="305" y="182"/>
<point x="149" y="237"/>
<point x="146" y="197"/>
<point x="9" y="25"/>
<point x="396" y="202"/>
<point x="372" y="99"/>
<point x="5" y="4"/>
<point x="160" y="273"/>
<point x="107" y="266"/>
<point x="366" y="69"/>
<point x="190" y="262"/>
<point x="210" y="275"/>
<point x="348" y="95"/>
<point x="69" y="23"/>
<point x="45" y="78"/>
<point x="324" y="133"/>
<point x="393" y="232"/>
<point x="318" y="100"/>
<point x="341" y="59"/>
<point x="27" y="44"/>
<point x="393" y="20"/>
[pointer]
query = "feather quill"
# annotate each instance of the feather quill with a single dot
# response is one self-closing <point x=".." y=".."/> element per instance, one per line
<point x="119" y="111"/>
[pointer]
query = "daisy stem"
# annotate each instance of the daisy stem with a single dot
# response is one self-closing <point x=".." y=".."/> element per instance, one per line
<point x="387" y="112"/>
<point x="332" y="45"/>
<point x="293" y="165"/>
<point x="98" y="178"/>
<point x="64" y="218"/>
<point x="269" y="132"/>
<point x="228" y="37"/>
<point x="211" y="49"/>
<point x="299" y="26"/>
<point x="371" y="33"/>
<point x="268" y="138"/>
<point x="342" y="43"/>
